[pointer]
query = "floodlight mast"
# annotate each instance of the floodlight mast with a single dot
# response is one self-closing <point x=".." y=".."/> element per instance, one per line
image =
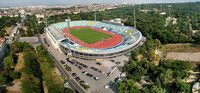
<point x="68" y="19"/>
<point x="46" y="23"/>
<point x="95" y="16"/>
<point x="161" y="6"/>
<point x="68" y="24"/>
<point x="134" y="16"/>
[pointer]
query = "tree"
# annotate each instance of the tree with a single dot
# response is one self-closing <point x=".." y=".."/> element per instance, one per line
<point x="134" y="71"/>
<point x="153" y="56"/>
<point x="13" y="47"/>
<point x="68" y="90"/>
<point x="8" y="61"/>
<point x="2" y="80"/>
<point x="30" y="84"/>
<point x="3" y="90"/>
<point x="197" y="37"/>
<point x="154" y="89"/>
<point x="183" y="87"/>
<point x="180" y="87"/>
<point x="166" y="76"/>
<point x="127" y="86"/>
<point x="16" y="75"/>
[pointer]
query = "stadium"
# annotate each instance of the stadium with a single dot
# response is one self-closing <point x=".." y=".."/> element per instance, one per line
<point x="93" y="39"/>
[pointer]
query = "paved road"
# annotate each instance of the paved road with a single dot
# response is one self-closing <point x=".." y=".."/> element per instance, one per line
<point x="194" y="57"/>
<point x="67" y="75"/>
<point x="64" y="72"/>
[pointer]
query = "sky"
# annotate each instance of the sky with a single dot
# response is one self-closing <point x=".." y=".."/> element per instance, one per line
<point x="75" y="2"/>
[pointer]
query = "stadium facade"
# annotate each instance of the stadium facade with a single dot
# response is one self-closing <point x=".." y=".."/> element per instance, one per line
<point x="132" y="38"/>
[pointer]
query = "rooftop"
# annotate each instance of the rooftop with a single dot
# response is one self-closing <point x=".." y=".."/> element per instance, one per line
<point x="2" y="41"/>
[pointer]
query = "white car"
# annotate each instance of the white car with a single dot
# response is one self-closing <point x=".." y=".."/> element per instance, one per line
<point x="106" y="86"/>
<point x="96" y="78"/>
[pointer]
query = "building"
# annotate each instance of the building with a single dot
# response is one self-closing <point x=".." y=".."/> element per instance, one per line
<point x="3" y="48"/>
<point x="129" y="39"/>
<point x="196" y="87"/>
<point x="34" y="41"/>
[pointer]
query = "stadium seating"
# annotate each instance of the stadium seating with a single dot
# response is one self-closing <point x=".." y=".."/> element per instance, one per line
<point x="131" y="35"/>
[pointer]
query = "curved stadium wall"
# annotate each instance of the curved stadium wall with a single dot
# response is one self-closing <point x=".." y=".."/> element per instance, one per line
<point x="131" y="39"/>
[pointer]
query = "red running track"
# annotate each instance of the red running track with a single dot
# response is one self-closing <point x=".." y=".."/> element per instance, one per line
<point x="110" y="42"/>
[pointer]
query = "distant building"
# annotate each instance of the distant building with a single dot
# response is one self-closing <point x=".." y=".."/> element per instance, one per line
<point x="196" y="88"/>
<point x="163" y="13"/>
<point x="195" y="31"/>
<point x="3" y="48"/>
<point x="66" y="20"/>
<point x="34" y="41"/>
<point x="117" y="21"/>
<point x="39" y="16"/>
<point x="170" y="19"/>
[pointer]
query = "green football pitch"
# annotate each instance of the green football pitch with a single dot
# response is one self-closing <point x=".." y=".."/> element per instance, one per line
<point x="88" y="35"/>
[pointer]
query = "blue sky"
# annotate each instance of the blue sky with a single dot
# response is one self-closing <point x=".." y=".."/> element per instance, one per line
<point x="69" y="2"/>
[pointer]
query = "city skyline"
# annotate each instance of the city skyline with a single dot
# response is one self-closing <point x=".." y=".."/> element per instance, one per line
<point x="76" y="2"/>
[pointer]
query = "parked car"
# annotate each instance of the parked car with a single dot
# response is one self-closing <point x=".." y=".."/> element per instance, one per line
<point x="95" y="69"/>
<point x="77" y="78"/>
<point x="82" y="82"/>
<point x="84" y="72"/>
<point x="112" y="60"/>
<point x="98" y="63"/>
<point x="100" y="71"/>
<point x="118" y="63"/>
<point x="106" y="86"/>
<point x="90" y="75"/>
<point x="80" y="67"/>
<point x="62" y="62"/>
<point x="71" y="62"/>
<point x="96" y="78"/>
<point x="74" y="74"/>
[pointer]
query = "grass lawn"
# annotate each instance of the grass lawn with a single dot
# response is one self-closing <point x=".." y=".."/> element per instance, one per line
<point x="88" y="35"/>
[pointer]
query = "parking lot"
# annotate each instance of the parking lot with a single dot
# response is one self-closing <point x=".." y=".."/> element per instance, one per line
<point x="90" y="73"/>
<point x="95" y="74"/>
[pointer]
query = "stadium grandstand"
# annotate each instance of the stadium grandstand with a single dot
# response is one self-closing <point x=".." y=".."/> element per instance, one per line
<point x="93" y="39"/>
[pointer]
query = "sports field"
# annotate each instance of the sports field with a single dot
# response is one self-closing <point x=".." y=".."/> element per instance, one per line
<point x="89" y="35"/>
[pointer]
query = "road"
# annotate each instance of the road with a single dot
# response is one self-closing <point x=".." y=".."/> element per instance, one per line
<point x="15" y="32"/>
<point x="67" y="75"/>
<point x="64" y="72"/>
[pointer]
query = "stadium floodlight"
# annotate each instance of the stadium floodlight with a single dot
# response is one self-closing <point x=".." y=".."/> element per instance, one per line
<point x="68" y="21"/>
<point x="95" y="16"/>
<point x="134" y="15"/>
<point x="46" y="20"/>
